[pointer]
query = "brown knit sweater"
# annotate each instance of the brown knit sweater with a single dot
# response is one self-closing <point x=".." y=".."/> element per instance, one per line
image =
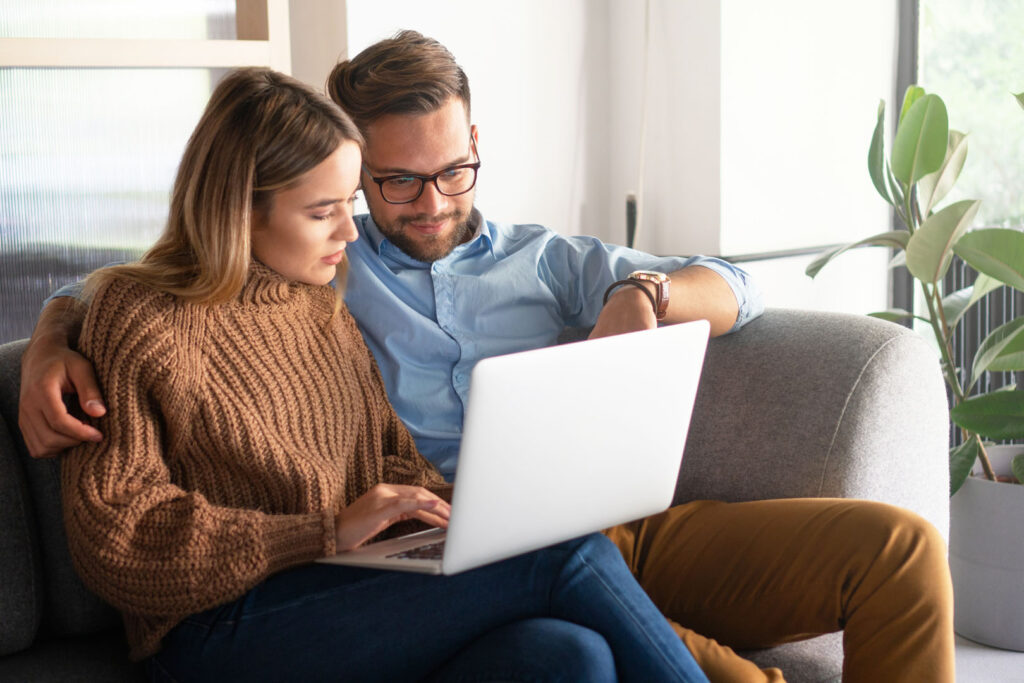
<point x="233" y="434"/>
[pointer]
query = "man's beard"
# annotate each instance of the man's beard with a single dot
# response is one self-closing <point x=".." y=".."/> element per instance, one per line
<point x="428" y="248"/>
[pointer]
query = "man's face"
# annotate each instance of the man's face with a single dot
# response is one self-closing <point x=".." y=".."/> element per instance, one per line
<point x="431" y="226"/>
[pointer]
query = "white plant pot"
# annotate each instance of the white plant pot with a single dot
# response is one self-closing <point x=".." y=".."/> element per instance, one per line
<point x="986" y="556"/>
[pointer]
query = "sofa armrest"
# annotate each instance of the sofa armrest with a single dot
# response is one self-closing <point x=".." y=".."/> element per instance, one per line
<point x="812" y="404"/>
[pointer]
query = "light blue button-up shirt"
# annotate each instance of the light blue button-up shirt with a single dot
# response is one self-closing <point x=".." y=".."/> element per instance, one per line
<point x="509" y="288"/>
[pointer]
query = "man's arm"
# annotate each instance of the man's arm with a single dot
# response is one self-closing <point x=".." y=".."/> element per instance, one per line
<point x="49" y="369"/>
<point x="696" y="293"/>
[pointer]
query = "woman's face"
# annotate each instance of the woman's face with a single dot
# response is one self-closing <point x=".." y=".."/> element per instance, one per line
<point x="304" y="234"/>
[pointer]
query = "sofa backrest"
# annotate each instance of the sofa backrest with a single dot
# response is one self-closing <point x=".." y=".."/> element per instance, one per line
<point x="40" y="592"/>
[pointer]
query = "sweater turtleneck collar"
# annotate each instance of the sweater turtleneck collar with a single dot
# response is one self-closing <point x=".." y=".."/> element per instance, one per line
<point x="264" y="285"/>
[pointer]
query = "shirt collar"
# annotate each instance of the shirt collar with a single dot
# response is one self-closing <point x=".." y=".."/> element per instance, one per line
<point x="385" y="247"/>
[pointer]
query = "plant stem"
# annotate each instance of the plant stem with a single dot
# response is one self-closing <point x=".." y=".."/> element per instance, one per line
<point x="938" y="328"/>
<point x="947" y="340"/>
<point x="986" y="464"/>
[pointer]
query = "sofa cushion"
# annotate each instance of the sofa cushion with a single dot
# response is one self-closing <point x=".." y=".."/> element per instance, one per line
<point x="97" y="657"/>
<point x="818" y="660"/>
<point x="69" y="607"/>
<point x="21" y="597"/>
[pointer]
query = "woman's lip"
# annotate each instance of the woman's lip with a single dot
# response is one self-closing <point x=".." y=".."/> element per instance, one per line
<point x="335" y="258"/>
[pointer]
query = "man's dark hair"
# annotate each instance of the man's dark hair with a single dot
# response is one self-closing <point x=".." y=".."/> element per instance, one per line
<point x="408" y="73"/>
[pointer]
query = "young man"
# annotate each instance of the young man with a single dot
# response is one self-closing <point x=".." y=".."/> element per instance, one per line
<point x="435" y="287"/>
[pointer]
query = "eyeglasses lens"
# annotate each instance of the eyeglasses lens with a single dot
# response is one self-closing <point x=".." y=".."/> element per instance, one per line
<point x="454" y="181"/>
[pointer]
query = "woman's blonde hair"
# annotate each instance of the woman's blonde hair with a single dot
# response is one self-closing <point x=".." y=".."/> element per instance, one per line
<point x="260" y="132"/>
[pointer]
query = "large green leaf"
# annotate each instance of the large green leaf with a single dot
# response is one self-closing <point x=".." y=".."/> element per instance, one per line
<point x="1011" y="358"/>
<point x="998" y="415"/>
<point x="961" y="459"/>
<point x="1003" y="346"/>
<point x="998" y="252"/>
<point x="934" y="186"/>
<point x="959" y="302"/>
<point x="897" y="239"/>
<point x="930" y="249"/>
<point x="876" y="154"/>
<point x="912" y="95"/>
<point x="920" y="144"/>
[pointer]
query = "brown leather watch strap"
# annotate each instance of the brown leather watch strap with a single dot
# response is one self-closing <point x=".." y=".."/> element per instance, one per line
<point x="661" y="284"/>
<point x="633" y="283"/>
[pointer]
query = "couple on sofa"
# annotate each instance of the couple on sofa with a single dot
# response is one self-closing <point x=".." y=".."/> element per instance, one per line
<point x="213" y="485"/>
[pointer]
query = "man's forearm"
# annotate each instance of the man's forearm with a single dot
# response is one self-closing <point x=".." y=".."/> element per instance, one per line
<point x="699" y="293"/>
<point x="60" y="322"/>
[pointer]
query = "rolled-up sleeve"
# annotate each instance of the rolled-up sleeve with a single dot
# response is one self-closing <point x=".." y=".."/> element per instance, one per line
<point x="748" y="295"/>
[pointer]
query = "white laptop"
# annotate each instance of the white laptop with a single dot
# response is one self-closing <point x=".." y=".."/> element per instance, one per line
<point x="557" y="443"/>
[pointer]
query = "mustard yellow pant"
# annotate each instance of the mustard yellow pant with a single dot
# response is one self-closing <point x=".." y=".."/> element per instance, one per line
<point x="759" y="574"/>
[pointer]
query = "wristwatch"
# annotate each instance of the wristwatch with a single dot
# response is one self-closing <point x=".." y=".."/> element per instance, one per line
<point x="661" y="285"/>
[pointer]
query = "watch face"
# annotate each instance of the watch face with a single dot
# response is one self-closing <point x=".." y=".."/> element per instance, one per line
<point x="649" y="275"/>
<point x="661" y="282"/>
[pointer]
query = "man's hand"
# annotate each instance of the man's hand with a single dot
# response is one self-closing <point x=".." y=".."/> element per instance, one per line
<point x="384" y="505"/>
<point x="628" y="310"/>
<point x="49" y="369"/>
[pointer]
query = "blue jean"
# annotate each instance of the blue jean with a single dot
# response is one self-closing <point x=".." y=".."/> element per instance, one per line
<point x="569" y="612"/>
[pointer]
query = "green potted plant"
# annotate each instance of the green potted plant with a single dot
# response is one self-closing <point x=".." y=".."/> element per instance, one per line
<point x="986" y="514"/>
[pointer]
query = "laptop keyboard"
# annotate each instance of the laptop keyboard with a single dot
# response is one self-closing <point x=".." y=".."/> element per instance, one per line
<point x="430" y="551"/>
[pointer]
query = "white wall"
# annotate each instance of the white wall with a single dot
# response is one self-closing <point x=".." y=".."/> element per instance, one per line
<point x="801" y="80"/>
<point x="675" y="164"/>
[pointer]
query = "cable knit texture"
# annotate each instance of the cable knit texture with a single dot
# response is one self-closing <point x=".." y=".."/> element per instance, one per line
<point x="233" y="434"/>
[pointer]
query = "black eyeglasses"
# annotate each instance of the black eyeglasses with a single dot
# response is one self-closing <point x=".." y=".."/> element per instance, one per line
<point x="407" y="187"/>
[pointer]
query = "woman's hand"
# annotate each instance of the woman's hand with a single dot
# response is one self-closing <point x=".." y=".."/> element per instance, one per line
<point x="384" y="505"/>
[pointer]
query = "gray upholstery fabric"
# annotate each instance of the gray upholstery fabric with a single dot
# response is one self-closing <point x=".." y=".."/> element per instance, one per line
<point x="818" y="660"/>
<point x="21" y="598"/>
<point x="69" y="607"/>
<point x="797" y="404"/>
<point x="809" y="404"/>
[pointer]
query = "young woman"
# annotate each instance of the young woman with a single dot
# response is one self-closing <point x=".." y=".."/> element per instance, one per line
<point x="248" y="433"/>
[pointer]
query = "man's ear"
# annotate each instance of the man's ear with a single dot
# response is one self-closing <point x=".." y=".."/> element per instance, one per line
<point x="474" y="133"/>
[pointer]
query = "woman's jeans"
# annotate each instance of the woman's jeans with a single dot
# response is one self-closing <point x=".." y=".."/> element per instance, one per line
<point x="571" y="612"/>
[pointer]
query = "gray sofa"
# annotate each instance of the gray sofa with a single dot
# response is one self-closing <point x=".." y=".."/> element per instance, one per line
<point x="796" y="404"/>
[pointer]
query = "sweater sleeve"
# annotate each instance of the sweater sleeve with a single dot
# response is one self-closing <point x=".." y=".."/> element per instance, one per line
<point x="142" y="543"/>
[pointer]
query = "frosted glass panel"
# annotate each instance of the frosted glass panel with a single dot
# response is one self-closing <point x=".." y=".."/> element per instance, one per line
<point x="181" y="19"/>
<point x="87" y="160"/>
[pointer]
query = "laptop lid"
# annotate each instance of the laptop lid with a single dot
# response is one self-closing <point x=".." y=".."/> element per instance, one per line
<point x="562" y="441"/>
<point x="559" y="442"/>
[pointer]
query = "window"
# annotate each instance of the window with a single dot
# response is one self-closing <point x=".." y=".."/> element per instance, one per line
<point x="98" y="105"/>
<point x="969" y="54"/>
